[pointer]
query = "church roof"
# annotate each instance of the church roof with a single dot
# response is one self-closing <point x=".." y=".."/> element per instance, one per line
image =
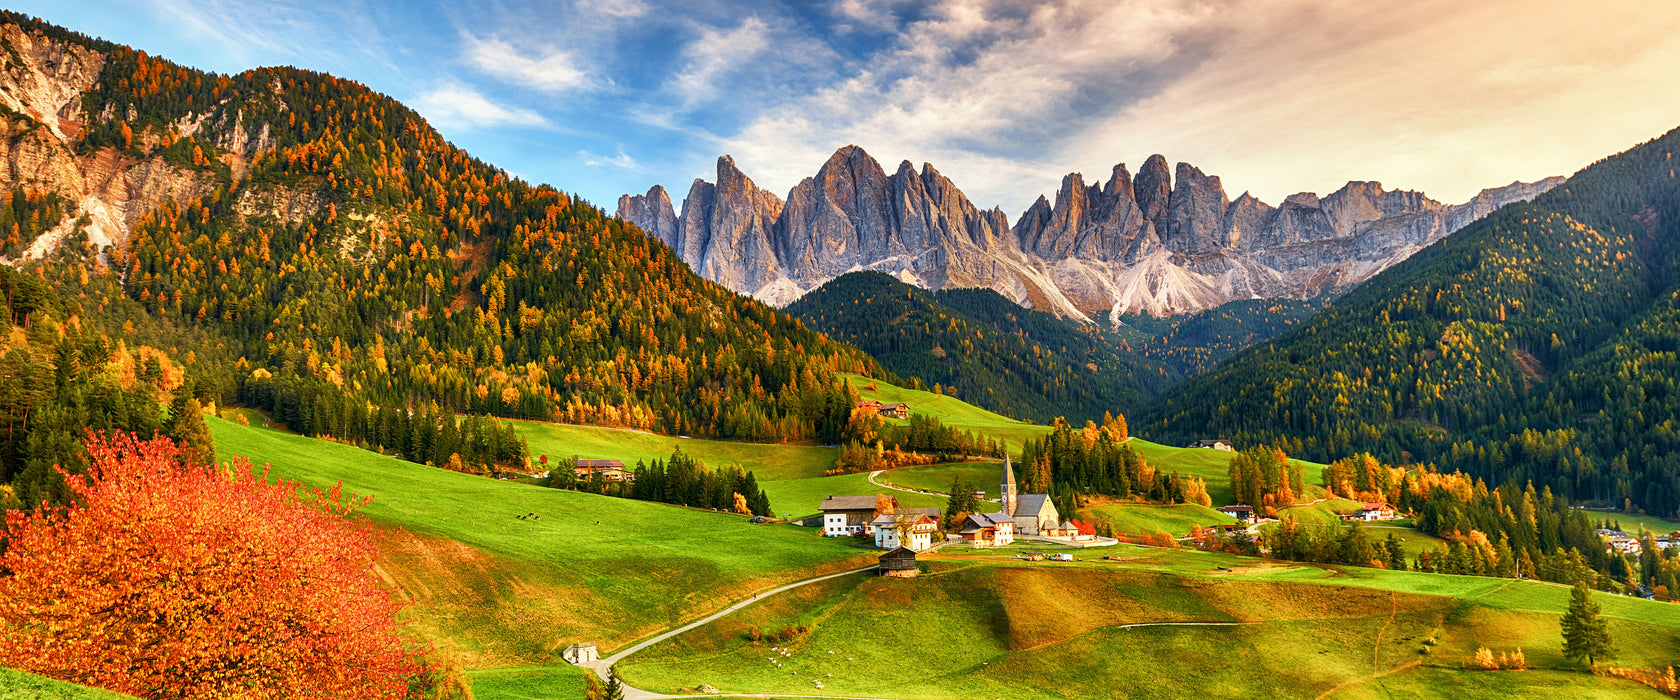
<point x="1008" y="471"/>
<point x="1030" y="505"/>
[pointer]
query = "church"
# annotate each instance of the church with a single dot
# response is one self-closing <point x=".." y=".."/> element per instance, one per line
<point x="1034" y="514"/>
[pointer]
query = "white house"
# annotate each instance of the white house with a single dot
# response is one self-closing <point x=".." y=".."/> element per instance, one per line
<point x="922" y="528"/>
<point x="989" y="529"/>
<point x="582" y="653"/>
<point x="844" y="516"/>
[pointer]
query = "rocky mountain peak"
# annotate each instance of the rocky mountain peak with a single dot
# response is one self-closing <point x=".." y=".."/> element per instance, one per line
<point x="1164" y="241"/>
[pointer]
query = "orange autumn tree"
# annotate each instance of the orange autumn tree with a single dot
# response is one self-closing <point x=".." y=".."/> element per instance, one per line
<point x="172" y="579"/>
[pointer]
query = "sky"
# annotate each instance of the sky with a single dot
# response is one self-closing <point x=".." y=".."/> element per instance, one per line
<point x="604" y="97"/>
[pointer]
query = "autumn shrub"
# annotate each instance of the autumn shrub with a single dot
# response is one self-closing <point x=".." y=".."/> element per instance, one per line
<point x="168" y="579"/>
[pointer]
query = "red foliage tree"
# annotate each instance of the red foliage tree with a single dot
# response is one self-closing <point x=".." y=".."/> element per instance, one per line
<point x="176" y="580"/>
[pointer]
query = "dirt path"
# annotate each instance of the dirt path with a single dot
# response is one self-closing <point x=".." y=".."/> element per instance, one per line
<point x="601" y="667"/>
<point x="879" y="472"/>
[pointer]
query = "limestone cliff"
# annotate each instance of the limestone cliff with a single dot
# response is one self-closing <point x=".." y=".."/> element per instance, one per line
<point x="1164" y="242"/>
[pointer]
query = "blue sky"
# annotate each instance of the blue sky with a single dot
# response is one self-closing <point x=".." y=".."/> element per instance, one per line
<point x="602" y="97"/>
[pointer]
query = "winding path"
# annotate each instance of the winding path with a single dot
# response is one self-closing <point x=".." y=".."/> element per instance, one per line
<point x="879" y="472"/>
<point x="601" y="667"/>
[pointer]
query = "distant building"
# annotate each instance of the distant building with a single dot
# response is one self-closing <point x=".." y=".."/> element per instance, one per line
<point x="1242" y="513"/>
<point x="895" y="410"/>
<point x="1212" y="445"/>
<point x="1370" y="512"/>
<point x="844" y="516"/>
<point x="900" y="562"/>
<point x="609" y="469"/>
<point x="989" y="529"/>
<point x="581" y="653"/>
<point x="922" y="527"/>
<point x="1625" y="544"/>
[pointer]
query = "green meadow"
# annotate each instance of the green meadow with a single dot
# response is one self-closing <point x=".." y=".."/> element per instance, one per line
<point x="499" y="591"/>
<point x="1013" y="629"/>
<point x="951" y="411"/>
<point x="17" y="685"/>
<point x="768" y="462"/>
<point x="1144" y="519"/>
<point x="983" y="476"/>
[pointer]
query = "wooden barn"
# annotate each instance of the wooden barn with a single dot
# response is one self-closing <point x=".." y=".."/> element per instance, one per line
<point x="900" y="562"/>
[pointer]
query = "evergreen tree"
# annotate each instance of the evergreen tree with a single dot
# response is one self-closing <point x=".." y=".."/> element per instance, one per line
<point x="187" y="428"/>
<point x="1586" y="635"/>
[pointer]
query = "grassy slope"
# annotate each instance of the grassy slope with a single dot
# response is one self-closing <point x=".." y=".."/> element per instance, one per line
<point x="559" y="682"/>
<point x="1147" y="520"/>
<point x="767" y="462"/>
<point x="1008" y="629"/>
<point x="953" y="412"/>
<point x="18" y="685"/>
<point x="984" y="476"/>
<point x="1632" y="524"/>
<point x="505" y="591"/>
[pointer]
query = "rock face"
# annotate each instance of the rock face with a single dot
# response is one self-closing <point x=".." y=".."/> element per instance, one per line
<point x="42" y="82"/>
<point x="1163" y="242"/>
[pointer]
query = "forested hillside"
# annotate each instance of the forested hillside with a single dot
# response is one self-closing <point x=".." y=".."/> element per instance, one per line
<point x="341" y="254"/>
<point x="1536" y="344"/>
<point x="1194" y="343"/>
<point x="980" y="347"/>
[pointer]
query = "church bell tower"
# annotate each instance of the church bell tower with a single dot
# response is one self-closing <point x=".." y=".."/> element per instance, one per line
<point x="1006" y="490"/>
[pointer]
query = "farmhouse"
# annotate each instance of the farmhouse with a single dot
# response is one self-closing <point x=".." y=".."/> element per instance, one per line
<point x="581" y="653"/>
<point x="989" y="529"/>
<point x="1033" y="513"/>
<point x="900" y="562"/>
<point x="1212" y="445"/>
<point x="849" y="515"/>
<point x="1369" y="512"/>
<point x="891" y="410"/>
<point x="921" y="526"/>
<point x="609" y="469"/>
<point x="1625" y="544"/>
<point x="1240" y="512"/>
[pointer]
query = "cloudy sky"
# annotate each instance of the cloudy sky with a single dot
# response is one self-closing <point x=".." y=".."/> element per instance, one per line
<point x="602" y="97"/>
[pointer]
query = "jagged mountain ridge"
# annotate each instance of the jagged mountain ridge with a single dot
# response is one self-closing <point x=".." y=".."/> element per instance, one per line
<point x="1164" y="242"/>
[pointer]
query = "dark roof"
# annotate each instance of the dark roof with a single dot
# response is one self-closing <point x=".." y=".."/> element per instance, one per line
<point x="847" y="503"/>
<point x="1238" y="508"/>
<point x="901" y="558"/>
<point x="600" y="463"/>
<point x="1030" y="505"/>
<point x="1008" y="471"/>
<point x="934" y="513"/>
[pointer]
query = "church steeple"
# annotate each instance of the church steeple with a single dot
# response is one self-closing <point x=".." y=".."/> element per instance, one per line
<point x="1006" y="489"/>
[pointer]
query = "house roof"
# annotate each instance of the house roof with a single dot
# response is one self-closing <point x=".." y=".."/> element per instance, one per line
<point x="930" y="512"/>
<point x="1238" y="508"/>
<point x="1200" y="443"/>
<point x="1030" y="505"/>
<point x="600" y="463"/>
<point x="834" y="503"/>
<point x="890" y="519"/>
<point x="979" y="521"/>
<point x="1374" y="506"/>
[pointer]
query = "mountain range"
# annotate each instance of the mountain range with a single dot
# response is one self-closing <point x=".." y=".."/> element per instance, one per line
<point x="1162" y="242"/>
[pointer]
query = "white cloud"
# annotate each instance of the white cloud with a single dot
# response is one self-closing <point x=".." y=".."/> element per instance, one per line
<point x="714" y="54"/>
<point x="552" y="71"/>
<point x="621" y="161"/>
<point x="455" y="105"/>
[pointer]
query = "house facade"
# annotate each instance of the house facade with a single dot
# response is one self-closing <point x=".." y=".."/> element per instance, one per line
<point x="1212" y="445"/>
<point x="1369" y="512"/>
<point x="844" y="516"/>
<point x="901" y="562"/>
<point x="989" y="529"/>
<point x="922" y="529"/>
<point x="1240" y="512"/>
<point x="609" y="469"/>
<point x="581" y="653"/>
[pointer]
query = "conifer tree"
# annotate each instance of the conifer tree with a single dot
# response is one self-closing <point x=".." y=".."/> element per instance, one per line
<point x="1586" y="635"/>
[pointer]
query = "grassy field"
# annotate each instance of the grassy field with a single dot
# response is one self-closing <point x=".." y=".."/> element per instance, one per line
<point x="1142" y="519"/>
<point x="801" y="497"/>
<point x="951" y="411"/>
<point x="560" y="682"/>
<point x="17" y="685"/>
<point x="1632" y="524"/>
<point x="1012" y="629"/>
<point x="768" y="462"/>
<point x="983" y="476"/>
<point x="497" y="591"/>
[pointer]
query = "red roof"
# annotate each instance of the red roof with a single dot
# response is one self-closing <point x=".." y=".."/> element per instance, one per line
<point x="1375" y="506"/>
